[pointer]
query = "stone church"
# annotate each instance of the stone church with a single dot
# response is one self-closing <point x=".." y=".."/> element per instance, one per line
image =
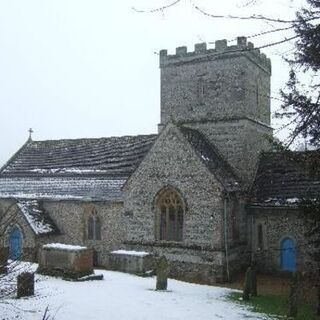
<point x="207" y="191"/>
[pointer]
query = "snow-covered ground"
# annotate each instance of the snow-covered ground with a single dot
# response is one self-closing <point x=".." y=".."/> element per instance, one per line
<point x="124" y="297"/>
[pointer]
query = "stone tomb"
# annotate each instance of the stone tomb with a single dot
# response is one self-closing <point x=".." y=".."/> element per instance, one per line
<point x="136" y="262"/>
<point x="67" y="261"/>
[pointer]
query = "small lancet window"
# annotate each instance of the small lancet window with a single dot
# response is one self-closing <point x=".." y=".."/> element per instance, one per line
<point x="94" y="227"/>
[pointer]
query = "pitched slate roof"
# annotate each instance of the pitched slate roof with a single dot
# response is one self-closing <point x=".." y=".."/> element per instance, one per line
<point x="212" y="159"/>
<point x="73" y="169"/>
<point x="39" y="221"/>
<point x="62" y="188"/>
<point x="284" y="178"/>
<point x="114" y="156"/>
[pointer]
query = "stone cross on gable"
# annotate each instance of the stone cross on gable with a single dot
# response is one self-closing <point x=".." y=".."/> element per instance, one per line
<point x="30" y="133"/>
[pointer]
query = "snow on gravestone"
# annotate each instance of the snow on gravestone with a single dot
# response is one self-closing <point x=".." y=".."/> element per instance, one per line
<point x="65" y="260"/>
<point x="4" y="256"/>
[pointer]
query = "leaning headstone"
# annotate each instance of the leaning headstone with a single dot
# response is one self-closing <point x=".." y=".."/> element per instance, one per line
<point x="293" y="296"/>
<point x="25" y="286"/>
<point x="162" y="274"/>
<point x="4" y="255"/>
<point x="247" y="285"/>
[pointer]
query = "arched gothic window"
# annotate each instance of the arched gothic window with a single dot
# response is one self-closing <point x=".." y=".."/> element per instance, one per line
<point x="170" y="211"/>
<point x="94" y="228"/>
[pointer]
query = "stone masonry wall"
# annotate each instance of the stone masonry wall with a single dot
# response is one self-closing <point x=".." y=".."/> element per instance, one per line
<point x="172" y="162"/>
<point x="71" y="218"/>
<point x="10" y="217"/>
<point x="239" y="141"/>
<point x="276" y="225"/>
<point x="215" y="84"/>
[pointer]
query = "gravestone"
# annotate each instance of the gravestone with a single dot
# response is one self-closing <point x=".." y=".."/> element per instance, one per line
<point x="293" y="295"/>
<point x="247" y="285"/>
<point x="254" y="286"/>
<point x="162" y="274"/>
<point x="4" y="255"/>
<point x="25" y="285"/>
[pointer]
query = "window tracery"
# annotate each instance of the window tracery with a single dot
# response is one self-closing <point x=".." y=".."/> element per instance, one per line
<point x="170" y="212"/>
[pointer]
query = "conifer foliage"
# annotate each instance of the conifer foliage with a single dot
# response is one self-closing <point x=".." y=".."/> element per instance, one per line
<point x="302" y="101"/>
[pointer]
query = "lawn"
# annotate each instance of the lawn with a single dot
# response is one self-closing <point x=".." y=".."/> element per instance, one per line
<point x="123" y="296"/>
<point x="274" y="305"/>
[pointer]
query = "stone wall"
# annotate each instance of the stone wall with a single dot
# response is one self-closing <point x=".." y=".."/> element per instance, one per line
<point x="277" y="224"/>
<point x="215" y="84"/>
<point x="224" y="93"/>
<point x="172" y="162"/>
<point x="239" y="141"/>
<point x="71" y="219"/>
<point x="10" y="217"/>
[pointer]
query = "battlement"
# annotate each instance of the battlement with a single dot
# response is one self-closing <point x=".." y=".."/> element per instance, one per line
<point x="221" y="50"/>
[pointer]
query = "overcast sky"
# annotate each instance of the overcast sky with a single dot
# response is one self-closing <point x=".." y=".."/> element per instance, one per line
<point x="80" y="68"/>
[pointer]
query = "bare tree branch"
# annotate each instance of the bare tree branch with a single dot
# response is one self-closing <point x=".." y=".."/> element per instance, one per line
<point x="252" y="17"/>
<point x="156" y="9"/>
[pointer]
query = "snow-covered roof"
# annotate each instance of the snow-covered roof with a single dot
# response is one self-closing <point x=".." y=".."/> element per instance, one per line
<point x="284" y="178"/>
<point x="39" y="221"/>
<point x="90" y="169"/>
<point x="62" y="188"/>
<point x="113" y="156"/>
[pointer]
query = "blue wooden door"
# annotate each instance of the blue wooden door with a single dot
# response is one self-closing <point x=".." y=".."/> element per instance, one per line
<point x="288" y="255"/>
<point x="15" y="244"/>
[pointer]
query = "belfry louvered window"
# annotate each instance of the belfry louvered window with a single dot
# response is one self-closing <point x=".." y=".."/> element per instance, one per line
<point x="170" y="212"/>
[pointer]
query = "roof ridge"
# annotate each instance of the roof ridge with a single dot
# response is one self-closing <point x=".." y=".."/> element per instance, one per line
<point x="97" y="138"/>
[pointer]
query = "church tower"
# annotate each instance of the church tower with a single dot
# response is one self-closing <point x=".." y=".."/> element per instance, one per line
<point x="224" y="93"/>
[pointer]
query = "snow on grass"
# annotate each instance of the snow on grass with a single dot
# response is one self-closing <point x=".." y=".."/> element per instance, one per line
<point x="122" y="296"/>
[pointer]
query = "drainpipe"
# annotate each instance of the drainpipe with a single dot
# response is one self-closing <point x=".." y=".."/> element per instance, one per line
<point x="252" y="239"/>
<point x="226" y="236"/>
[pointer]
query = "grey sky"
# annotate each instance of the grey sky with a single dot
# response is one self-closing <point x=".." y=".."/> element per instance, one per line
<point x="80" y="68"/>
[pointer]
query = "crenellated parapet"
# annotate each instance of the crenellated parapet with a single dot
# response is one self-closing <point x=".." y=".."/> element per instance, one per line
<point x="221" y="51"/>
